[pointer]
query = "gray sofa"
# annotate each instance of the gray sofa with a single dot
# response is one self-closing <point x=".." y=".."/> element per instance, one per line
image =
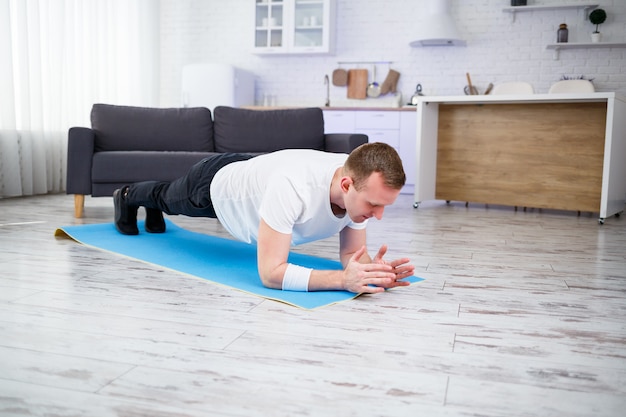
<point x="131" y="144"/>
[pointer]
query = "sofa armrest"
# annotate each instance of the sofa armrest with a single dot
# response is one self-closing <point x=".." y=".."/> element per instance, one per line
<point x="80" y="148"/>
<point x="343" y="142"/>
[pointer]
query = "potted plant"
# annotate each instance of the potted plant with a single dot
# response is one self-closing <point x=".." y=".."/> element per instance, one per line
<point x="597" y="17"/>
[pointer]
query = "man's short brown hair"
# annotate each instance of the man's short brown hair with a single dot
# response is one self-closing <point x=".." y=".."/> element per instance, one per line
<point x="375" y="157"/>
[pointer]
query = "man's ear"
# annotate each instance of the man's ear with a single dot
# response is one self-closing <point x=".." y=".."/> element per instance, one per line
<point x="345" y="183"/>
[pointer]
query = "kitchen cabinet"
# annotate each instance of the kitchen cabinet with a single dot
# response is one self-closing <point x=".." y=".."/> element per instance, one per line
<point x="379" y="126"/>
<point x="550" y="151"/>
<point x="396" y="127"/>
<point x="294" y="26"/>
<point x="339" y="121"/>
<point x="408" y="148"/>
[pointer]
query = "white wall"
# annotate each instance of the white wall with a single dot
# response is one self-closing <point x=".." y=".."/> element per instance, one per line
<point x="373" y="30"/>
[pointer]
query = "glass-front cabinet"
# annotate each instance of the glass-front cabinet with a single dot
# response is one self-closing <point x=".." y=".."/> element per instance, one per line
<point x="294" y="26"/>
<point x="269" y="24"/>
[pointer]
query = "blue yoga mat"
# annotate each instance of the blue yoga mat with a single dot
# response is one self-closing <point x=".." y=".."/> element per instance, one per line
<point x="219" y="260"/>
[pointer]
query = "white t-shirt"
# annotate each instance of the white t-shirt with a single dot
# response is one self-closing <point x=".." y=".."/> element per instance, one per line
<point x="289" y="189"/>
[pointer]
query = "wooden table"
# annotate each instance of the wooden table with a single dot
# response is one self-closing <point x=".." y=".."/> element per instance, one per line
<point x="553" y="151"/>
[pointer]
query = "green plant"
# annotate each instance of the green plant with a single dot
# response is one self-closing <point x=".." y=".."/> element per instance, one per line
<point x="597" y="17"/>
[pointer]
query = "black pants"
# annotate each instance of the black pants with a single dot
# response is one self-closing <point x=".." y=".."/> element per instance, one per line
<point x="189" y="195"/>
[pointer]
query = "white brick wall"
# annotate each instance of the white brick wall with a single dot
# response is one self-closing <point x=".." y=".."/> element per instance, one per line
<point x="373" y="30"/>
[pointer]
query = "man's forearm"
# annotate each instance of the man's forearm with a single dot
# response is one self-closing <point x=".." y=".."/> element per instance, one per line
<point x="326" y="280"/>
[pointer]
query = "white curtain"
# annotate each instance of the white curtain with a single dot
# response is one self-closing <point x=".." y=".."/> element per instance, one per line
<point x="58" y="58"/>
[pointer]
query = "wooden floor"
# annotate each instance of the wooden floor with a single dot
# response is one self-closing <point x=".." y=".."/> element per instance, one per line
<point x="522" y="313"/>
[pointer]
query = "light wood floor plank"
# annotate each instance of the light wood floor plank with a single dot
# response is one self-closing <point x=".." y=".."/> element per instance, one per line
<point x="69" y="372"/>
<point x="507" y="399"/>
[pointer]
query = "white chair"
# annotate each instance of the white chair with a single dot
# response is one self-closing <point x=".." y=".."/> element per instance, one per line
<point x="513" y="87"/>
<point x="572" y="86"/>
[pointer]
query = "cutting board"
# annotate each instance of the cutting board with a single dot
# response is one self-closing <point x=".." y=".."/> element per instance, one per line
<point x="357" y="83"/>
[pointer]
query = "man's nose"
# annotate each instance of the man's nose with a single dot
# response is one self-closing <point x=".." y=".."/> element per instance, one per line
<point x="378" y="212"/>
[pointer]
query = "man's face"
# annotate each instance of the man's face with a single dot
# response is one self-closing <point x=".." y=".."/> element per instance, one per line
<point x="370" y="201"/>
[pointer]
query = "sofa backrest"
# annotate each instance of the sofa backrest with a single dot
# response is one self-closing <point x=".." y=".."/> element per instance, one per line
<point x="126" y="128"/>
<point x="257" y="131"/>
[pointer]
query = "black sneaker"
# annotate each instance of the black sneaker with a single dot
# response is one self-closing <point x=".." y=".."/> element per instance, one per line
<point x="154" y="221"/>
<point x="125" y="215"/>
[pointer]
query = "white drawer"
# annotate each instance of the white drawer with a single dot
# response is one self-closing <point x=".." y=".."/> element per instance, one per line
<point x="337" y="121"/>
<point x="377" y="120"/>
<point x="390" y="137"/>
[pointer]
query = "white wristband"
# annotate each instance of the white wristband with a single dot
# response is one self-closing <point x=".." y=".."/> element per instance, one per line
<point x="296" y="278"/>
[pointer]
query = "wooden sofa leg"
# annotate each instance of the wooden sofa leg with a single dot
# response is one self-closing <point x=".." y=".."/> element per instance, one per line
<point x="79" y="203"/>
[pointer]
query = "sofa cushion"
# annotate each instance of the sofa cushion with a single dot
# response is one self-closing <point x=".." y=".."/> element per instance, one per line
<point x="126" y="128"/>
<point x="254" y="131"/>
<point x="127" y="167"/>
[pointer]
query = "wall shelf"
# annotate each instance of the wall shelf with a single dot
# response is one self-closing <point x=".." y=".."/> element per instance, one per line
<point x="515" y="9"/>
<point x="566" y="45"/>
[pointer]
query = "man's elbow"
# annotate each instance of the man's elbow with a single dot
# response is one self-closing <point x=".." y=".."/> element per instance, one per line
<point x="271" y="282"/>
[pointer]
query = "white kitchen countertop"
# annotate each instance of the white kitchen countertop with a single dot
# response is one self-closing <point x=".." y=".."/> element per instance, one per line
<point x="523" y="98"/>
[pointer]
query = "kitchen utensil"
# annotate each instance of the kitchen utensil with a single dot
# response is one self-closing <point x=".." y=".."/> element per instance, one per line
<point x="357" y="83"/>
<point x="391" y="82"/>
<point x="340" y="77"/>
<point x="471" y="90"/>
<point x="489" y="88"/>
<point x="373" y="89"/>
<point x="416" y="95"/>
